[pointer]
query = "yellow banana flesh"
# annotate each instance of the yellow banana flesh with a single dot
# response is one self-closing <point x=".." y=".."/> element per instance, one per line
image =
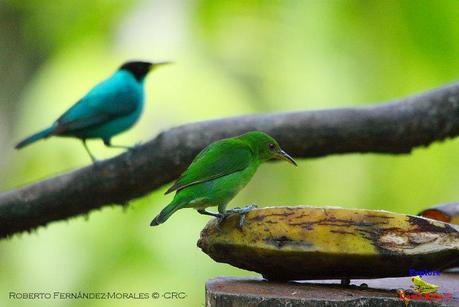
<point x="296" y="243"/>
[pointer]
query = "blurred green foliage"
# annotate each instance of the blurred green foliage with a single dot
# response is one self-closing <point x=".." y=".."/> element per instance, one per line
<point x="232" y="57"/>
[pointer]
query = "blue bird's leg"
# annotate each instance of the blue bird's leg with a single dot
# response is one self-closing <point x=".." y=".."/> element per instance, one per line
<point x="108" y="143"/>
<point x="94" y="160"/>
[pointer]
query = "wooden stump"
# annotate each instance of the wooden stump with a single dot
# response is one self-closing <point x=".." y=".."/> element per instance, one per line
<point x="242" y="292"/>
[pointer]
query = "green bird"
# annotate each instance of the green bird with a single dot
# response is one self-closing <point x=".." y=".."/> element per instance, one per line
<point x="219" y="172"/>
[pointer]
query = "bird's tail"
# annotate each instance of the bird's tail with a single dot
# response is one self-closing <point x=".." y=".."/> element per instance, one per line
<point x="33" y="138"/>
<point x="165" y="213"/>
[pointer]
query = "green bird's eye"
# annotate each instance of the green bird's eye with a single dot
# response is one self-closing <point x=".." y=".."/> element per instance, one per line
<point x="272" y="146"/>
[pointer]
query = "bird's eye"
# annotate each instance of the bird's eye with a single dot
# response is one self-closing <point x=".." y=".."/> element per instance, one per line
<point x="272" y="146"/>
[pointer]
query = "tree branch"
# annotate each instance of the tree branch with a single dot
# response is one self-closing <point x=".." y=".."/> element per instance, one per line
<point x="394" y="127"/>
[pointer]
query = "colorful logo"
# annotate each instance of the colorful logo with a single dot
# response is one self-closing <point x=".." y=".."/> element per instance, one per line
<point x="423" y="291"/>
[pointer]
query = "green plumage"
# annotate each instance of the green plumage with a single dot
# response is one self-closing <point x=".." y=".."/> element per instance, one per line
<point x="220" y="171"/>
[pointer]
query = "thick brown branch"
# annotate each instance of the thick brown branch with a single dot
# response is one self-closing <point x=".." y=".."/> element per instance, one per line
<point x="395" y="127"/>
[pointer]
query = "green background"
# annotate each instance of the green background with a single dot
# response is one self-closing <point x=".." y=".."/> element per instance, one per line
<point x="231" y="58"/>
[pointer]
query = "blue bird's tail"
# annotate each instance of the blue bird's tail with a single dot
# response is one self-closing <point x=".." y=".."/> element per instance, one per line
<point x="165" y="213"/>
<point x="33" y="138"/>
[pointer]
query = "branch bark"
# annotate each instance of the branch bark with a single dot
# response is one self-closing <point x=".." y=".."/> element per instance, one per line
<point x="395" y="127"/>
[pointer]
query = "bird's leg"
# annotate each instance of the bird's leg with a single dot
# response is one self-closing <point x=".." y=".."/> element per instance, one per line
<point x="205" y="212"/>
<point x="220" y="217"/>
<point x="94" y="160"/>
<point x="242" y="211"/>
<point x="108" y="143"/>
<point x="223" y="214"/>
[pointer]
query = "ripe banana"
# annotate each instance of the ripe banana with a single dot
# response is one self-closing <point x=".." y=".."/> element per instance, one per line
<point x="296" y="243"/>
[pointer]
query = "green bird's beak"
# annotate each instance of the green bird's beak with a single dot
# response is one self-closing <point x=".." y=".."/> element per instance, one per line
<point x="282" y="155"/>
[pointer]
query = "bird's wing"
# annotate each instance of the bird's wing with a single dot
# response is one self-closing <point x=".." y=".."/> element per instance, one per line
<point x="108" y="100"/>
<point x="216" y="160"/>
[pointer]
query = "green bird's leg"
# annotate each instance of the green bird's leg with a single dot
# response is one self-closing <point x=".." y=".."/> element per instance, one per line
<point x="223" y="213"/>
<point x="205" y="212"/>
<point x="245" y="209"/>
<point x="241" y="211"/>
<point x="94" y="160"/>
<point x="219" y="216"/>
<point x="108" y="143"/>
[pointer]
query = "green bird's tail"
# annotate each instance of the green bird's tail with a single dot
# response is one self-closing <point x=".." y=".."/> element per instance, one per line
<point x="33" y="138"/>
<point x="165" y="213"/>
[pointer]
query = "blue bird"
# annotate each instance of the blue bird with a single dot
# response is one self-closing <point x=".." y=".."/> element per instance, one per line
<point x="111" y="107"/>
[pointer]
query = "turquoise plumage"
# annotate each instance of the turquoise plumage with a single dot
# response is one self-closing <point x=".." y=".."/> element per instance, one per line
<point x="111" y="107"/>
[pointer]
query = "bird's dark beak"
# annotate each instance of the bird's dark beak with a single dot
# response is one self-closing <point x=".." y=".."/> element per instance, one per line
<point x="282" y="155"/>
<point x="155" y="65"/>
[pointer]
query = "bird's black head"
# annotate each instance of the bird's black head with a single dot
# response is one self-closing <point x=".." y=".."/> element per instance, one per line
<point x="138" y="69"/>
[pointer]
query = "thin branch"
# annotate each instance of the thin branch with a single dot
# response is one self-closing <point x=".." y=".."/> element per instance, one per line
<point x="394" y="127"/>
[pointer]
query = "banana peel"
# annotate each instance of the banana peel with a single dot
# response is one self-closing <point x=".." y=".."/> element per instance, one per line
<point x="448" y="213"/>
<point x="298" y="243"/>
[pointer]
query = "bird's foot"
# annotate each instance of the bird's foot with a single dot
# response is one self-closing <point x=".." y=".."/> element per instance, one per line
<point x="136" y="146"/>
<point x="96" y="162"/>
<point x="242" y="212"/>
<point x="129" y="148"/>
<point x="220" y="217"/>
